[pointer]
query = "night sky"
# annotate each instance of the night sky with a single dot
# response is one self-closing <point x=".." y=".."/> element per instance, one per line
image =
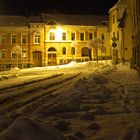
<point x="28" y="7"/>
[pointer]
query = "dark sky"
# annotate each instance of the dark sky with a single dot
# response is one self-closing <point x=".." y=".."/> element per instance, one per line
<point x="26" y="7"/>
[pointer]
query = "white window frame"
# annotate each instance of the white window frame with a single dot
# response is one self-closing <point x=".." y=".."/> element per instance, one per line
<point x="24" y="54"/>
<point x="74" y="36"/>
<point x="64" y="36"/>
<point x="3" y="39"/>
<point x="22" y="39"/>
<point x="89" y="35"/>
<point x="13" y="37"/>
<point x="83" y="36"/>
<point x="37" y="39"/>
<point x="51" y="36"/>
<point x="1" y="54"/>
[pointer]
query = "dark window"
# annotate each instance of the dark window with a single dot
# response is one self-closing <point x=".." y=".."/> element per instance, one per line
<point x="52" y="36"/>
<point x="14" y="39"/>
<point x="64" y="50"/>
<point x="3" y="55"/>
<point x="3" y="40"/>
<point x="90" y="36"/>
<point x="85" y="51"/>
<point x="37" y="39"/>
<point x="113" y="34"/>
<point x="118" y="35"/>
<point x="14" y="55"/>
<point x="72" y="36"/>
<point x="102" y="37"/>
<point x="95" y="34"/>
<point x="24" y="39"/>
<point x="113" y="19"/>
<point x="73" y="50"/>
<point x="63" y="36"/>
<point x="81" y="36"/>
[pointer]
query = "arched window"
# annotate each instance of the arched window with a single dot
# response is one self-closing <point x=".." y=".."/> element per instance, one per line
<point x="85" y="51"/>
<point x="51" y="49"/>
<point x="73" y="50"/>
<point x="64" y="50"/>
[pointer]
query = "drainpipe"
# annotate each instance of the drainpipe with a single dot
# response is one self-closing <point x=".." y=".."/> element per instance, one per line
<point x="122" y="44"/>
<point x="29" y="48"/>
<point x="44" y="45"/>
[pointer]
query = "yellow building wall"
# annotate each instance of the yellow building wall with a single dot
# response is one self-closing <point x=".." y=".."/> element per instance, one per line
<point x="45" y="43"/>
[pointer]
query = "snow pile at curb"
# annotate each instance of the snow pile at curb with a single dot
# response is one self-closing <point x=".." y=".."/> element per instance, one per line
<point x="26" y="129"/>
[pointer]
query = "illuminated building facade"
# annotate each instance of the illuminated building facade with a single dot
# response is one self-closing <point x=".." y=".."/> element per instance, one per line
<point x="120" y="29"/>
<point x="134" y="9"/>
<point x="52" y="39"/>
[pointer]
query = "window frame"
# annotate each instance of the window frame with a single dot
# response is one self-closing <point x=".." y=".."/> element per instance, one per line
<point x="82" y="36"/>
<point x="14" y="39"/>
<point x="73" y="38"/>
<point x="22" y="39"/>
<point x="52" y="36"/>
<point x="37" y="39"/>
<point x="3" y="39"/>
<point x="64" y="36"/>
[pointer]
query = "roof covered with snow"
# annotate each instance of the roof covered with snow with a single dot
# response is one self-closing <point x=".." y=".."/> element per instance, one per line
<point x="75" y="19"/>
<point x="9" y="20"/>
<point x="120" y="3"/>
<point x="64" y="19"/>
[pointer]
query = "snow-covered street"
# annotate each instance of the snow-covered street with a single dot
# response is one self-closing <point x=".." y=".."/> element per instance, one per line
<point x="73" y="102"/>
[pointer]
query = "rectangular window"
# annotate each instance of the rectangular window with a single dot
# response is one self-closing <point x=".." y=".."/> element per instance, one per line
<point x="63" y="36"/>
<point x="73" y="36"/>
<point x="3" y="39"/>
<point x="3" y="55"/>
<point x="113" y="34"/>
<point x="36" y="39"/>
<point x="14" y="55"/>
<point x="52" y="36"/>
<point x="24" y="39"/>
<point x="113" y="19"/>
<point x="118" y="35"/>
<point x="95" y="34"/>
<point x="82" y="36"/>
<point x="24" y="54"/>
<point x="90" y="36"/>
<point x="102" y="37"/>
<point x="14" y="39"/>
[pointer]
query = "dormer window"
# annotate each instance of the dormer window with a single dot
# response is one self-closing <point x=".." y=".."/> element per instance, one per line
<point x="51" y="22"/>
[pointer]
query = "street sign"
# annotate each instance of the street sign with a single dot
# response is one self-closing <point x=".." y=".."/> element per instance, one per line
<point x="114" y="44"/>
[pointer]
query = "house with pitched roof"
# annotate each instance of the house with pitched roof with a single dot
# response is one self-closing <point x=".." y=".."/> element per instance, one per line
<point x="52" y="39"/>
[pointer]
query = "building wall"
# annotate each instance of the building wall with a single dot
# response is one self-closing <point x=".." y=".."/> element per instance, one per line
<point x="134" y="7"/>
<point x="121" y="28"/>
<point x="39" y="50"/>
<point x="6" y="47"/>
<point x="127" y="35"/>
<point x="115" y="32"/>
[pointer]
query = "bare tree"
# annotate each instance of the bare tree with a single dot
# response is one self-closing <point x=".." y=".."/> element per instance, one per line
<point x="18" y="51"/>
<point x="94" y="44"/>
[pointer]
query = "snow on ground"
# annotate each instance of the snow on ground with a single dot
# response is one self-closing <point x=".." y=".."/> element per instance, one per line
<point x="102" y="103"/>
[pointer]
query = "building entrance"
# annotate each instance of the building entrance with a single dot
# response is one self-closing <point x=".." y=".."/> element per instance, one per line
<point x="52" y="57"/>
<point x="37" y="58"/>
